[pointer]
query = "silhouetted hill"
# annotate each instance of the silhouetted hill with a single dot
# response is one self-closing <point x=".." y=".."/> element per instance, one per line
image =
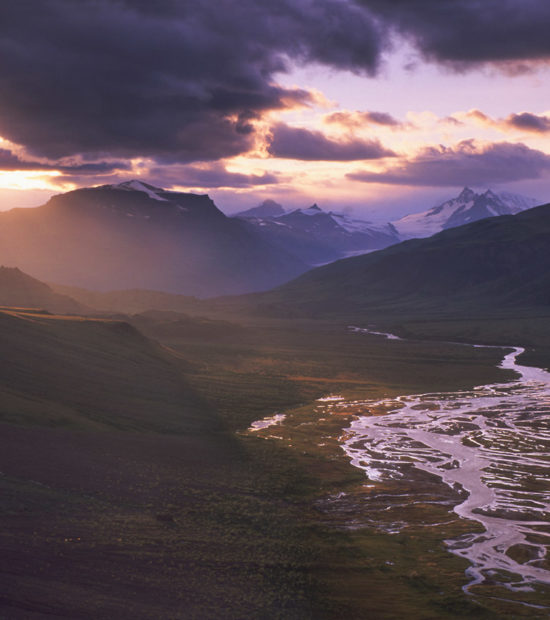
<point x="19" y="289"/>
<point x="130" y="301"/>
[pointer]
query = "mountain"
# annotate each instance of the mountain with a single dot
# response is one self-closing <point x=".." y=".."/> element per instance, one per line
<point x="467" y="207"/>
<point x="17" y="289"/>
<point x="268" y="208"/>
<point x="135" y="235"/>
<point x="318" y="237"/>
<point x="493" y="264"/>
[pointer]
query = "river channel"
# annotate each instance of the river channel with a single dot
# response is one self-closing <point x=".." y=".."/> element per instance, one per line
<point x="492" y="443"/>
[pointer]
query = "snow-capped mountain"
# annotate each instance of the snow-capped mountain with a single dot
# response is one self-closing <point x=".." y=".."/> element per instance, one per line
<point x="317" y="236"/>
<point x="139" y="186"/>
<point x="467" y="207"/>
<point x="135" y="235"/>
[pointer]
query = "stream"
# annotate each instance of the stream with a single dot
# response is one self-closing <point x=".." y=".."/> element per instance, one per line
<point x="493" y="443"/>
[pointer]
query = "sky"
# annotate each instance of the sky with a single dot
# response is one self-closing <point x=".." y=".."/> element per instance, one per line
<point x="374" y="107"/>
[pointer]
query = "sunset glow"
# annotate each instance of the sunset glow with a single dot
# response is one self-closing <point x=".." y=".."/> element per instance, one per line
<point x="331" y="126"/>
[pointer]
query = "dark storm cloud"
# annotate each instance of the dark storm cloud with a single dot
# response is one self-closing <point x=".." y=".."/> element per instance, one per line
<point x="298" y="143"/>
<point x="465" y="164"/>
<point x="11" y="161"/>
<point x="213" y="175"/>
<point x="471" y="31"/>
<point x="171" y="79"/>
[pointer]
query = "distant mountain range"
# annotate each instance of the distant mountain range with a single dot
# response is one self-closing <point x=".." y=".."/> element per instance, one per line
<point x="135" y="235"/>
<point x="495" y="264"/>
<point x="492" y="264"/>
<point x="316" y="236"/>
<point x="467" y="207"/>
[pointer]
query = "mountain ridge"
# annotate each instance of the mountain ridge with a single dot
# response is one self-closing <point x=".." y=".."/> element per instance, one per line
<point x="491" y="264"/>
<point x="134" y="235"/>
<point x="318" y="236"/>
<point x="467" y="207"/>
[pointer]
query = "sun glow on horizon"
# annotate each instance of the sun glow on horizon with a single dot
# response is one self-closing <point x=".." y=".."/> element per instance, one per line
<point x="32" y="179"/>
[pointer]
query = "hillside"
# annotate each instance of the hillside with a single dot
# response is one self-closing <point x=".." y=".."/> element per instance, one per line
<point x="496" y="263"/>
<point x="130" y="301"/>
<point x="19" y="289"/>
<point x="134" y="235"/>
<point x="91" y="374"/>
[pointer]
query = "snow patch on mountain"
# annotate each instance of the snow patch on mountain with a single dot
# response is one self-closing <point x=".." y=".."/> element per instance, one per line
<point x="467" y="207"/>
<point x="365" y="227"/>
<point x="139" y="186"/>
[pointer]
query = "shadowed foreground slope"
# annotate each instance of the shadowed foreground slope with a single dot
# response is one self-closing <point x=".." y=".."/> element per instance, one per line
<point x="118" y="498"/>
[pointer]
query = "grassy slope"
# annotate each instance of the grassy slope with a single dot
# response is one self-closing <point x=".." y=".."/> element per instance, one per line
<point x="98" y="520"/>
<point x="91" y="374"/>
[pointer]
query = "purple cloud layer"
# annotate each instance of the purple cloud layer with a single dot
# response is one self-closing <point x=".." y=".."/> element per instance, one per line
<point x="464" y="164"/>
<point x="182" y="81"/>
<point x="299" y="143"/>
<point x="11" y="161"/>
<point x="470" y="31"/>
<point x="214" y="175"/>
<point x="360" y="119"/>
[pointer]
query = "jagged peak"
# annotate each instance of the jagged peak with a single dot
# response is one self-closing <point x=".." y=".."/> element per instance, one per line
<point x="490" y="194"/>
<point x="466" y="194"/>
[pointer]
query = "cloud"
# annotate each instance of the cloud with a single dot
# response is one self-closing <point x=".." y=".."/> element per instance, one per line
<point x="467" y="163"/>
<point x="179" y="81"/>
<point x="450" y="120"/>
<point x="523" y="121"/>
<point x="213" y="175"/>
<point x="363" y="119"/>
<point x="298" y="143"/>
<point x="466" y="32"/>
<point x="11" y="161"/>
<point x="529" y="122"/>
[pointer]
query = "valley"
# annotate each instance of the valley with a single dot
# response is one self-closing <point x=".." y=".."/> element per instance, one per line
<point x="190" y="450"/>
<point x="107" y="504"/>
<point x="274" y="310"/>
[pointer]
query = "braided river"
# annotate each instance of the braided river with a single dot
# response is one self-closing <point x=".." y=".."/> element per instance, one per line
<point x="493" y="444"/>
